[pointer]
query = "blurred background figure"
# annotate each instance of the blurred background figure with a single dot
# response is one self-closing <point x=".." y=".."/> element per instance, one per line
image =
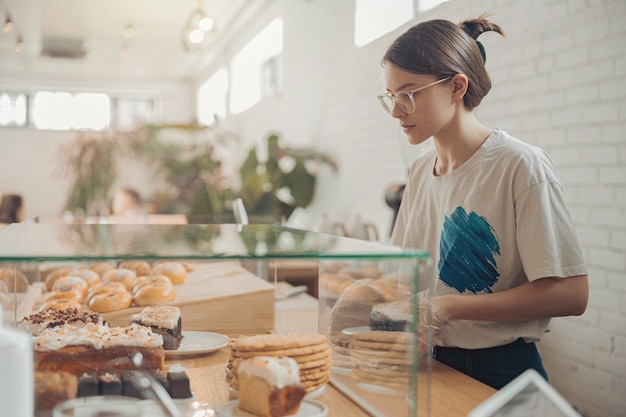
<point x="127" y="201"/>
<point x="11" y="209"/>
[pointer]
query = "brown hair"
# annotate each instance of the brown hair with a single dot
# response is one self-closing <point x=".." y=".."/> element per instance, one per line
<point x="442" y="48"/>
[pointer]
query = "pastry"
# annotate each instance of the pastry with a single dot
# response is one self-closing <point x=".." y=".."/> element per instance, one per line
<point x="48" y="319"/>
<point x="96" y="348"/>
<point x="393" y="316"/>
<point x="70" y="282"/>
<point x="270" y="386"/>
<point x="173" y="270"/>
<point x="60" y="304"/>
<point x="127" y="277"/>
<point x="178" y="382"/>
<point x="154" y="293"/>
<point x="113" y="301"/>
<point x="141" y="268"/>
<point x="163" y="320"/>
<point x="56" y="274"/>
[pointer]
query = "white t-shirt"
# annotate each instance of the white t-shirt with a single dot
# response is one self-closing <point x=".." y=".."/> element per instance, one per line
<point x="496" y="222"/>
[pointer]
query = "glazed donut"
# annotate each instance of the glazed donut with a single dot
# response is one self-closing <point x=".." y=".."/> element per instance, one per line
<point x="105" y="288"/>
<point x="66" y="292"/>
<point x="56" y="274"/>
<point x="155" y="294"/>
<point x="105" y="303"/>
<point x="156" y="279"/>
<point x="125" y="276"/>
<point x="71" y="282"/>
<point x="60" y="304"/>
<point x="101" y="267"/>
<point x="173" y="270"/>
<point x="90" y="276"/>
<point x="141" y="268"/>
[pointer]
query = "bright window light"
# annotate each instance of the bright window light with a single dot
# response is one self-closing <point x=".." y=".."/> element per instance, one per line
<point x="212" y="98"/>
<point x="425" y="5"/>
<point x="13" y="109"/>
<point x="246" y="66"/>
<point x="63" y="111"/>
<point x="375" y="18"/>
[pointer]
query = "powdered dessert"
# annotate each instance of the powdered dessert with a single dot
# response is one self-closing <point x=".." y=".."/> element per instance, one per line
<point x="270" y="386"/>
<point x="163" y="320"/>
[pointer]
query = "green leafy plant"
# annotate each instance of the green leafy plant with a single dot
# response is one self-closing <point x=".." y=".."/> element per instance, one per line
<point x="191" y="175"/>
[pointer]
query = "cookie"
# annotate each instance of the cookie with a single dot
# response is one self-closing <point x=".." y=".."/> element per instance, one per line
<point x="385" y="336"/>
<point x="280" y="341"/>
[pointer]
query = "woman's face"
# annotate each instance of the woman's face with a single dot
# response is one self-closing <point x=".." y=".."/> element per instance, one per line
<point x="434" y="107"/>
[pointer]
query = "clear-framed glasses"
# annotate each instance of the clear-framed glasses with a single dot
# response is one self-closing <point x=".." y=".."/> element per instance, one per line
<point x="404" y="99"/>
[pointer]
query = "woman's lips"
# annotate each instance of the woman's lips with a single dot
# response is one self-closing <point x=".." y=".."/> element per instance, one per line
<point x="406" y="128"/>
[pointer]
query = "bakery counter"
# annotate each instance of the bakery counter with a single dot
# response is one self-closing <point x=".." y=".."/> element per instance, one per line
<point x="452" y="394"/>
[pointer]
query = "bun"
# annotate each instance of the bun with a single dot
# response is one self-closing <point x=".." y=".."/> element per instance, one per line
<point x="69" y="293"/>
<point x="152" y="294"/>
<point x="127" y="277"/>
<point x="107" y="302"/>
<point x="101" y="267"/>
<point x="105" y="288"/>
<point x="56" y="274"/>
<point x="141" y="268"/>
<point x="60" y="304"/>
<point x="173" y="270"/>
<point x="68" y="282"/>
<point x="90" y="276"/>
<point x="151" y="280"/>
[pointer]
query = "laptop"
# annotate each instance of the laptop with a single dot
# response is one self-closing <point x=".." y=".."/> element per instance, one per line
<point x="527" y="395"/>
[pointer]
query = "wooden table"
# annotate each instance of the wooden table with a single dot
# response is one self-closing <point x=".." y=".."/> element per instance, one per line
<point x="452" y="394"/>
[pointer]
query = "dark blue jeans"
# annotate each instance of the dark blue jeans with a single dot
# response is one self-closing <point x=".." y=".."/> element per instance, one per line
<point x="496" y="366"/>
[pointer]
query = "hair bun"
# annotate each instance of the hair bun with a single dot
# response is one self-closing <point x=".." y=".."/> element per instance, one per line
<point x="475" y="27"/>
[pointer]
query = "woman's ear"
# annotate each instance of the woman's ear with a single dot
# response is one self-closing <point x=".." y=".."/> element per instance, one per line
<point x="459" y="86"/>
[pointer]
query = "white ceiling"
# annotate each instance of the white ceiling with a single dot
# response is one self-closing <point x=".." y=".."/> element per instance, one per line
<point x="155" y="52"/>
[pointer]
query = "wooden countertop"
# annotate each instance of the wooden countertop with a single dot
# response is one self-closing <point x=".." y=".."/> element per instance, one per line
<point x="452" y="394"/>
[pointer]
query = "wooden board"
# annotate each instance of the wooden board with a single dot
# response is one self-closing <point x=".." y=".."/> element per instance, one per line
<point x="220" y="297"/>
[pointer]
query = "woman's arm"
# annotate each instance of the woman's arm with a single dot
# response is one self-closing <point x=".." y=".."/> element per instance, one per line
<point x="543" y="298"/>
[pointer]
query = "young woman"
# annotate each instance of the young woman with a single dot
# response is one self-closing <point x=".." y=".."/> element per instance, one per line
<point x="487" y="206"/>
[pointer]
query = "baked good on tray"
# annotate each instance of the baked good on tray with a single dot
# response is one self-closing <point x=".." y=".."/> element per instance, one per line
<point x="394" y="316"/>
<point x="51" y="318"/>
<point x="310" y="351"/>
<point x="96" y="348"/>
<point x="270" y="386"/>
<point x="163" y="320"/>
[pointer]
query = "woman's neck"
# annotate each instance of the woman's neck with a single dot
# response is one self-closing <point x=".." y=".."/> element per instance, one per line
<point x="458" y="143"/>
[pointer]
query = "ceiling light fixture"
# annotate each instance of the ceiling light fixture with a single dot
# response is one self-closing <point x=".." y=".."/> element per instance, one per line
<point x="129" y="31"/>
<point x="196" y="28"/>
<point x="19" y="45"/>
<point x="8" y="23"/>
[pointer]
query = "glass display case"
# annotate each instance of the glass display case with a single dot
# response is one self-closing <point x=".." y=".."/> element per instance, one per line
<point x="366" y="293"/>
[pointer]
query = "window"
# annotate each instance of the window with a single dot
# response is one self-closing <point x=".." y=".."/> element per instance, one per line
<point x="66" y="111"/>
<point x="128" y="114"/>
<point x="212" y="98"/>
<point x="247" y="66"/>
<point x="13" y="110"/>
<point x="375" y="18"/>
<point x="63" y="111"/>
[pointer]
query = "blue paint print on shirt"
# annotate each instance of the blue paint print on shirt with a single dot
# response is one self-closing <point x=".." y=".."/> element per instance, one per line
<point x="467" y="252"/>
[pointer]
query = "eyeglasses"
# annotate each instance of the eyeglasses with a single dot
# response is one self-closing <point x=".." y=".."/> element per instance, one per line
<point x="404" y="99"/>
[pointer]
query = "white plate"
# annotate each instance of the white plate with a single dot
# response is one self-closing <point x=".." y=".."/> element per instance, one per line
<point x="308" y="408"/>
<point x="310" y="396"/>
<point x="197" y="343"/>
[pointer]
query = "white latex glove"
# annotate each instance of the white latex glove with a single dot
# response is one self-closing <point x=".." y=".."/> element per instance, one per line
<point x="431" y="325"/>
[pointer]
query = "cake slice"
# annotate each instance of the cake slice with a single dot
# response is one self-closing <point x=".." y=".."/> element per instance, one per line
<point x="96" y="348"/>
<point x="270" y="386"/>
<point x="394" y="316"/>
<point x="163" y="320"/>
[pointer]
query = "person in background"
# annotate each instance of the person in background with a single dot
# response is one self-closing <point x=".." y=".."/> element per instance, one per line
<point x="488" y="207"/>
<point x="11" y="209"/>
<point x="127" y="201"/>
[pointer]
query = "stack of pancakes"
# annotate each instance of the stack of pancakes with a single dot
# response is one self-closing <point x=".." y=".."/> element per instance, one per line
<point x="310" y="351"/>
<point x="383" y="358"/>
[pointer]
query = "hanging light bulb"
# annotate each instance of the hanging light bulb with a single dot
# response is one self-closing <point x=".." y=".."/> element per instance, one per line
<point x="196" y="36"/>
<point x="129" y="31"/>
<point x="205" y="24"/>
<point x="8" y="24"/>
<point x="19" y="45"/>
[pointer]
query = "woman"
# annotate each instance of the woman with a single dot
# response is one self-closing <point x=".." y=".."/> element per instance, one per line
<point x="487" y="206"/>
<point x="11" y="209"/>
